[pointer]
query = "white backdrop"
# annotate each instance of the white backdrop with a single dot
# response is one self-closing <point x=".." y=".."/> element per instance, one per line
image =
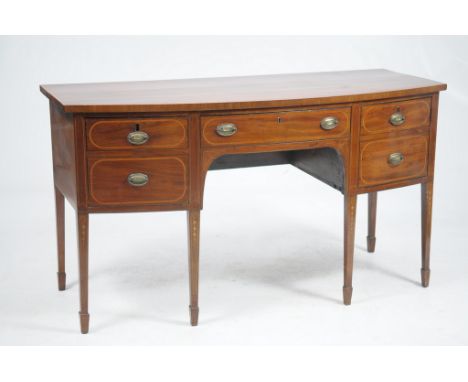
<point x="271" y="257"/>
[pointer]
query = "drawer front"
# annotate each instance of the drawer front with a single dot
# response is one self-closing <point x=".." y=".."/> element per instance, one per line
<point x="157" y="133"/>
<point x="395" y="116"/>
<point x="155" y="180"/>
<point x="289" y="126"/>
<point x="389" y="160"/>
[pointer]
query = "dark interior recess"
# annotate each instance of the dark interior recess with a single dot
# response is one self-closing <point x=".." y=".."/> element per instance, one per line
<point x="324" y="164"/>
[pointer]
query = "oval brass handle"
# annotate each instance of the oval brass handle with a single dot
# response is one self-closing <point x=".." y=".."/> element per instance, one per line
<point x="395" y="159"/>
<point x="397" y="119"/>
<point x="226" y="129"/>
<point x="329" y="123"/>
<point x="137" y="137"/>
<point x="137" y="179"/>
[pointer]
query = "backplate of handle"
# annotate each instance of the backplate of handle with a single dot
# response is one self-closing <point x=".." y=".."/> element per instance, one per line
<point x="397" y="119"/>
<point x="137" y="179"/>
<point x="226" y="129"/>
<point x="137" y="137"/>
<point x="329" y="123"/>
<point x="395" y="159"/>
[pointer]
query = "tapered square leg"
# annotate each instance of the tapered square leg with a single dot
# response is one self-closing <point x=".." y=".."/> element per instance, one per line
<point x="84" y="322"/>
<point x="347" y="295"/>
<point x="349" y="228"/>
<point x="193" y="224"/>
<point x="83" y="229"/>
<point x="61" y="280"/>
<point x="371" y="220"/>
<point x="193" y="315"/>
<point x="60" y="223"/>
<point x="426" y="223"/>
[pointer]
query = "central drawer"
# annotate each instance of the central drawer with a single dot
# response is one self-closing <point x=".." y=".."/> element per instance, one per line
<point x="275" y="127"/>
<point x="134" y="181"/>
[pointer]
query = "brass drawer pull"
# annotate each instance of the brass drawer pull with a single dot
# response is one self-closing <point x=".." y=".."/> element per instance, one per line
<point x="397" y="119"/>
<point x="137" y="179"/>
<point x="395" y="159"/>
<point x="226" y="129"/>
<point x="329" y="123"/>
<point x="137" y="137"/>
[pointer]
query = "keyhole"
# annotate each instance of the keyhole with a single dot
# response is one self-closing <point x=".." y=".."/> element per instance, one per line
<point x="279" y="119"/>
<point x="137" y="127"/>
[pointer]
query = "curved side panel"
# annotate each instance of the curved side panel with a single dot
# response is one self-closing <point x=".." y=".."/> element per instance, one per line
<point x="325" y="164"/>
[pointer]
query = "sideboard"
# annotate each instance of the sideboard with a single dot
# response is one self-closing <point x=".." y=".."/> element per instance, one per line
<point x="147" y="146"/>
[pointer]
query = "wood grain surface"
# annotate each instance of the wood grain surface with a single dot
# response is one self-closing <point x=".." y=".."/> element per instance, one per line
<point x="376" y="118"/>
<point x="376" y="169"/>
<point x="231" y="93"/>
<point x="167" y="180"/>
<point x="292" y="126"/>
<point x="111" y="134"/>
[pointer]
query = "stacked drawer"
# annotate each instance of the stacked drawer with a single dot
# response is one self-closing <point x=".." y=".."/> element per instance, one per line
<point x="137" y="161"/>
<point x="394" y="141"/>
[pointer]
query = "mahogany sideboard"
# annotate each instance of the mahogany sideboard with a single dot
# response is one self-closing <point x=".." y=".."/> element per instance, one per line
<point x="147" y="146"/>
